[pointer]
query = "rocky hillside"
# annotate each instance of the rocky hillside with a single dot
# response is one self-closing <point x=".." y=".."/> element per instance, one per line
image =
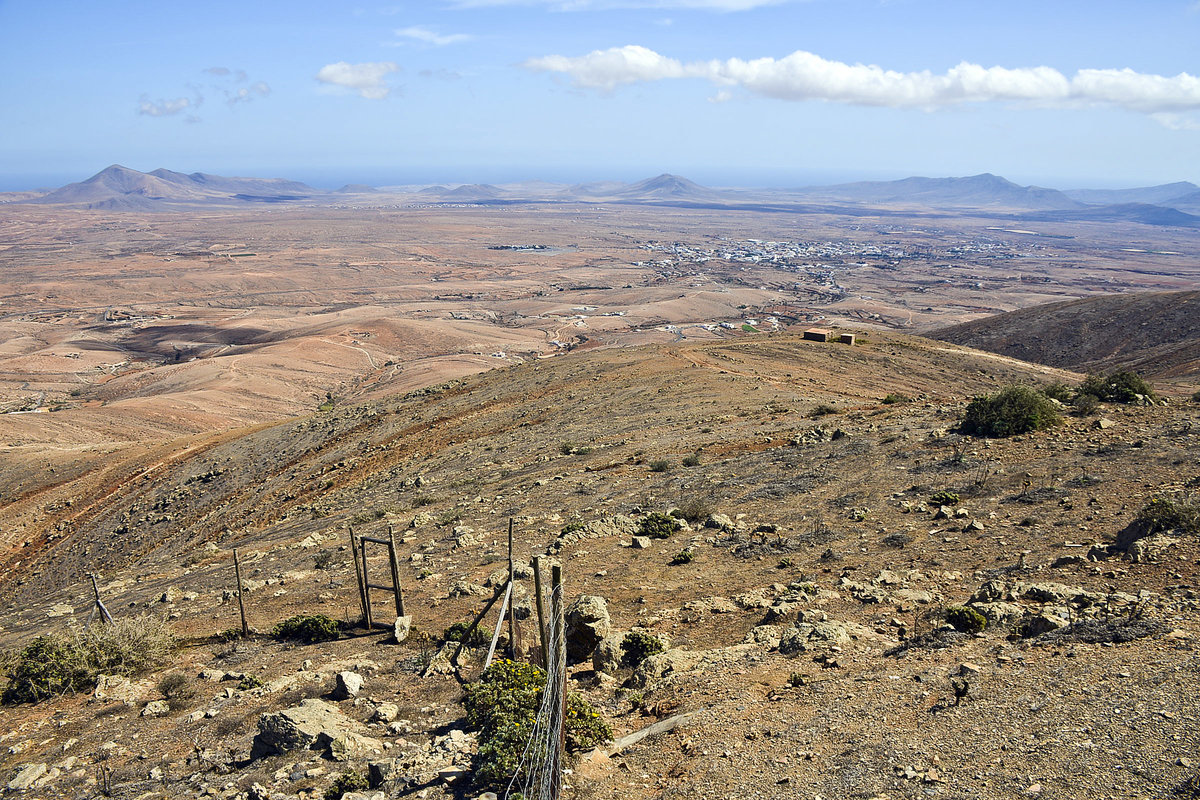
<point x="1154" y="333"/>
<point x="805" y="630"/>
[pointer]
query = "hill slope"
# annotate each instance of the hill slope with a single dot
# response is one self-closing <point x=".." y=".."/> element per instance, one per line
<point x="1154" y="333"/>
<point x="120" y="188"/>
<point x="976" y="191"/>
<point x="797" y="624"/>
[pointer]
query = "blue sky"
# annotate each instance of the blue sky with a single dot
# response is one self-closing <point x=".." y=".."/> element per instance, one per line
<point x="754" y="92"/>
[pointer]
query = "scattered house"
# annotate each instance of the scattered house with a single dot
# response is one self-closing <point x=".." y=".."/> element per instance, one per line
<point x="846" y="338"/>
<point x="818" y="334"/>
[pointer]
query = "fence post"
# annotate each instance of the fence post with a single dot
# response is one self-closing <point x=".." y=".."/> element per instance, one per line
<point x="541" y="614"/>
<point x="241" y="591"/>
<point x="104" y="615"/>
<point x="512" y="635"/>
<point x="560" y="680"/>
<point x="358" y="574"/>
<point x="395" y="572"/>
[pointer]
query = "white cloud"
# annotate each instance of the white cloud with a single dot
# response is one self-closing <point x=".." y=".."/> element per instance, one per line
<point x="806" y="76"/>
<point x="245" y="94"/>
<point x="1177" y="122"/>
<point x="426" y="36"/>
<point x="163" y="108"/>
<point x="367" y="79"/>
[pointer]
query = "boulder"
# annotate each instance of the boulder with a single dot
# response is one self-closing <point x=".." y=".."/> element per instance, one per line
<point x="351" y="746"/>
<point x="607" y="655"/>
<point x="587" y="623"/>
<point x="402" y="628"/>
<point x="720" y="522"/>
<point x="156" y="708"/>
<point x="386" y="712"/>
<point x="660" y="666"/>
<point x="310" y="725"/>
<point x="640" y="543"/>
<point x="347" y="685"/>
<point x="26" y="776"/>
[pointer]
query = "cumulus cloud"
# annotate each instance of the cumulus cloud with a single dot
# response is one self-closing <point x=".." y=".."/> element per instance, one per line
<point x="424" y="35"/>
<point x="807" y="76"/>
<point x="163" y="108"/>
<point x="368" y="79"/>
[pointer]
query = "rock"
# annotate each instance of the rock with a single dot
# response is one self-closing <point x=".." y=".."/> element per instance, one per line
<point x="943" y="512"/>
<point x="1103" y="424"/>
<point x="640" y="543"/>
<point x="60" y="610"/>
<point x="402" y="628"/>
<point x="346" y="685"/>
<point x="464" y="536"/>
<point x="1037" y="624"/>
<point x="768" y="635"/>
<point x="999" y="613"/>
<point x="1148" y="549"/>
<point x="973" y="525"/>
<point x="312" y="724"/>
<point x="797" y="638"/>
<point x="440" y="663"/>
<point x="363" y="796"/>
<point x="115" y="687"/>
<point x="169" y="596"/>
<point x="607" y="655"/>
<point x="659" y="666"/>
<point x="468" y="589"/>
<point x="386" y="712"/>
<point x="967" y="668"/>
<point x="26" y="776"/>
<point x="719" y="521"/>
<point x="156" y="708"/>
<point x="587" y="623"/>
<point x="352" y="746"/>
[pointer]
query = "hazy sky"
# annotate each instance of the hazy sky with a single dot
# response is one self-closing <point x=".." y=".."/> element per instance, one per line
<point x="767" y="92"/>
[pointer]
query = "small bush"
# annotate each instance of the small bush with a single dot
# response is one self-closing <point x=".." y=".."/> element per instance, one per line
<point x="1058" y="391"/>
<point x="660" y="465"/>
<point x="573" y="449"/>
<point x="572" y="527"/>
<point x="248" y="682"/>
<point x="965" y="619"/>
<point x="944" y="498"/>
<point x="658" y="526"/>
<point x="824" y="409"/>
<point x="479" y="637"/>
<point x="637" y="646"/>
<point x="1084" y="405"/>
<point x="324" y="560"/>
<point x="1012" y="411"/>
<point x="694" y="459"/>
<point x="423" y="500"/>
<point x="53" y="665"/>
<point x="176" y="685"/>
<point x="895" y="397"/>
<point x="785" y="563"/>
<point x="307" y="628"/>
<point x="1163" y="514"/>
<point x="1119" y="387"/>
<point x="346" y="782"/>
<point x="695" y="510"/>
<point x="503" y="706"/>
<point x="682" y="557"/>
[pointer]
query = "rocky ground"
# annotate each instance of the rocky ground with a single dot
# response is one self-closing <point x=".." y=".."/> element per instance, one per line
<point x="804" y="637"/>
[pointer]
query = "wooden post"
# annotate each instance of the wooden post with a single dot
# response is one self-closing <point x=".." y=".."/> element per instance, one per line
<point x="512" y="636"/>
<point x="362" y="589"/>
<point x="366" y="584"/>
<point x="104" y="615"/>
<point x="474" y="624"/>
<point x="541" y="614"/>
<point x="395" y="572"/>
<point x="241" y="591"/>
<point x="560" y="682"/>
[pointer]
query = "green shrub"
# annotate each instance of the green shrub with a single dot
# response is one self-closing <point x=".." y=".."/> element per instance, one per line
<point x="1015" y="410"/>
<point x="695" y="510"/>
<point x="657" y="525"/>
<point x="682" y="557"/>
<point x="503" y="706"/>
<point x="249" y="681"/>
<point x="346" y="782"/>
<point x="1058" y="391"/>
<point x="54" y="664"/>
<point x="660" y="465"/>
<point x="175" y="685"/>
<point x="1085" y="405"/>
<point x="307" y="628"/>
<point x="571" y="527"/>
<point x="1163" y="514"/>
<point x="895" y="397"/>
<point x="824" y="409"/>
<point x="1119" y="387"/>
<point x="573" y="449"/>
<point x="479" y="637"/>
<point x="637" y="646"/>
<point x="694" y="459"/>
<point x="944" y="498"/>
<point x="965" y="619"/>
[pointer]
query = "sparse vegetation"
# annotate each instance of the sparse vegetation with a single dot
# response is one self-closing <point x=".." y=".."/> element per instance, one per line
<point x="944" y="498"/>
<point x="572" y="527"/>
<point x="503" y="705"/>
<point x="573" y="449"/>
<point x="692" y="460"/>
<point x="54" y="664"/>
<point x="1058" y="391"/>
<point x="657" y="525"/>
<point x="694" y="510"/>
<point x="965" y="619"/>
<point x="660" y="465"/>
<point x="344" y="783"/>
<point x="637" y="646"/>
<point x="1084" y="405"/>
<point x="306" y="628"/>
<point x="455" y="633"/>
<point x="823" y="410"/>
<point x="248" y="682"/>
<point x="1118" y="387"/>
<point x="1165" y="514"/>
<point x="893" y="398"/>
<point x="682" y="557"/>
<point x="1012" y="411"/>
<point x="324" y="560"/>
<point x="176" y="688"/>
